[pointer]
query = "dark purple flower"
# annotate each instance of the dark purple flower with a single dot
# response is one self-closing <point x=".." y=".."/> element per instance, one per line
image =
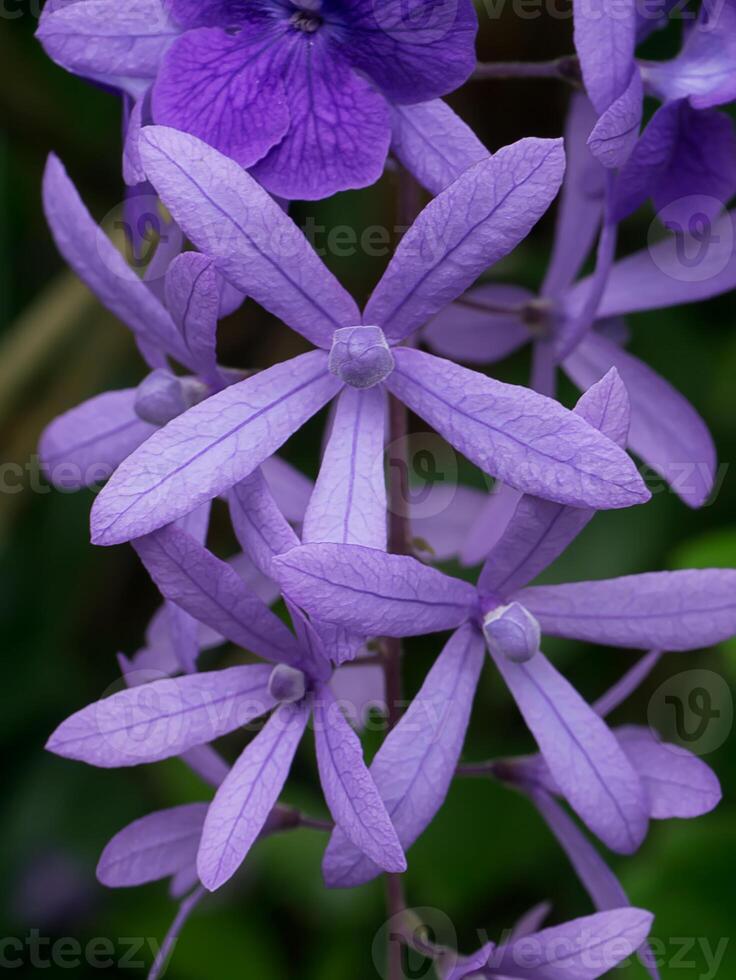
<point x="298" y="91"/>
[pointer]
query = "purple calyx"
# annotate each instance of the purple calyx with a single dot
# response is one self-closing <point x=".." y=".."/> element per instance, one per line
<point x="287" y="684"/>
<point x="163" y="396"/>
<point x="360" y="356"/>
<point x="512" y="631"/>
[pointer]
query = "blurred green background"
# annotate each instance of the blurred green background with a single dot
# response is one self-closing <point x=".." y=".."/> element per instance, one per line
<point x="67" y="608"/>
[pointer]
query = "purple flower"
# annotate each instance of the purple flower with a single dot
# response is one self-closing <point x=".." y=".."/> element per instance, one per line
<point x="175" y="715"/>
<point x="666" y="431"/>
<point x="375" y="593"/>
<point x="298" y="91"/>
<point x="529" y="441"/>
<point x="584" y="949"/>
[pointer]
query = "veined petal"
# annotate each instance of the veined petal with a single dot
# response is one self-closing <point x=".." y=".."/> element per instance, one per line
<point x="372" y="592"/>
<point x="257" y="247"/>
<point x="210" y="448"/>
<point x="416" y="763"/>
<point x="682" y="610"/>
<point x="213" y="593"/>
<point x="666" y="431"/>
<point x="193" y="295"/>
<point x="604" y="41"/>
<point x="348" y="505"/>
<point x="525" y="439"/>
<point x="615" y="134"/>
<point x="340" y="126"/>
<point x="86" y="444"/>
<point x="225" y="90"/>
<point x="433" y="143"/>
<point x="164" y="718"/>
<point x="106" y="39"/>
<point x="241" y="805"/>
<point x="351" y="794"/>
<point x="156" y="846"/>
<point x="259" y="524"/>
<point x="540" y="530"/>
<point x="583" y="755"/>
<point x="101" y="267"/>
<point x="473" y="223"/>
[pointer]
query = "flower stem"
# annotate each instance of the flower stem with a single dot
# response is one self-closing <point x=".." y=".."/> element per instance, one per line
<point x="566" y="69"/>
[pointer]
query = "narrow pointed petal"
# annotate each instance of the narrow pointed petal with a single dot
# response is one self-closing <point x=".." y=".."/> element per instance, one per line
<point x="604" y="41"/>
<point x="348" y="505"/>
<point x="86" y="444"/>
<point x="185" y="910"/>
<point x="291" y="489"/>
<point x="683" y="610"/>
<point x="540" y="530"/>
<point x="416" y="763"/>
<point x="349" y="789"/>
<point x="599" y="881"/>
<point x="257" y="247"/>
<point x="454" y="510"/>
<point x="472" y="224"/>
<point x="657" y="277"/>
<point x="210" y="448"/>
<point x="156" y="846"/>
<point x="490" y="524"/>
<point x="242" y="804"/>
<point x="211" y="591"/>
<point x="526" y="440"/>
<point x="184" y="629"/>
<point x="193" y="297"/>
<point x="666" y="431"/>
<point x="259" y="524"/>
<point x="433" y="143"/>
<point x="583" y="949"/>
<point x="105" y="39"/>
<point x="626" y="685"/>
<point x="372" y="592"/>
<point x="615" y="134"/>
<point x="583" y="755"/>
<point x="581" y="202"/>
<point x="465" y="332"/>
<point x="163" y="718"/>
<point x="677" y="783"/>
<point x="102" y="268"/>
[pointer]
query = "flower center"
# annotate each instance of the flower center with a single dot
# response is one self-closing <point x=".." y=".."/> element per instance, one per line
<point x="306" y="16"/>
<point x="360" y="356"/>
<point x="513" y="632"/>
<point x="287" y="684"/>
<point x="162" y="396"/>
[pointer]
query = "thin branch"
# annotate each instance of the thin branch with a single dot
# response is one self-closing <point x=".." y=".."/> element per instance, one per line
<point x="566" y="69"/>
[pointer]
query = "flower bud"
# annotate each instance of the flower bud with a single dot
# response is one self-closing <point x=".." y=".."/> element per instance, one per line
<point x="512" y="631"/>
<point x="287" y="683"/>
<point x="162" y="396"/>
<point x="360" y="356"/>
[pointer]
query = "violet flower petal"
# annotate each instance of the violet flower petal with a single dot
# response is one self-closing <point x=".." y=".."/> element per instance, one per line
<point x="210" y="448"/>
<point x="349" y="789"/>
<point x="604" y="40"/>
<point x="86" y="444"/>
<point x="433" y="143"/>
<point x="416" y="763"/>
<point x="372" y="592"/>
<point x="666" y="431"/>
<point x="616" y="132"/>
<point x="583" y="755"/>
<point x="348" y="505"/>
<point x="101" y="267"/>
<point x="682" y="610"/>
<point x="540" y="530"/>
<point x="163" y="718"/>
<point x="525" y="439"/>
<point x="473" y="223"/>
<point x="257" y="247"/>
<point x="259" y="525"/>
<point x="193" y="295"/>
<point x="156" y="846"/>
<point x="242" y="804"/>
<point x="678" y="783"/>
<point x="210" y="590"/>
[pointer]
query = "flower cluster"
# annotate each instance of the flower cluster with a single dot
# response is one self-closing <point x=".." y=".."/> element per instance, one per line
<point x="234" y="108"/>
